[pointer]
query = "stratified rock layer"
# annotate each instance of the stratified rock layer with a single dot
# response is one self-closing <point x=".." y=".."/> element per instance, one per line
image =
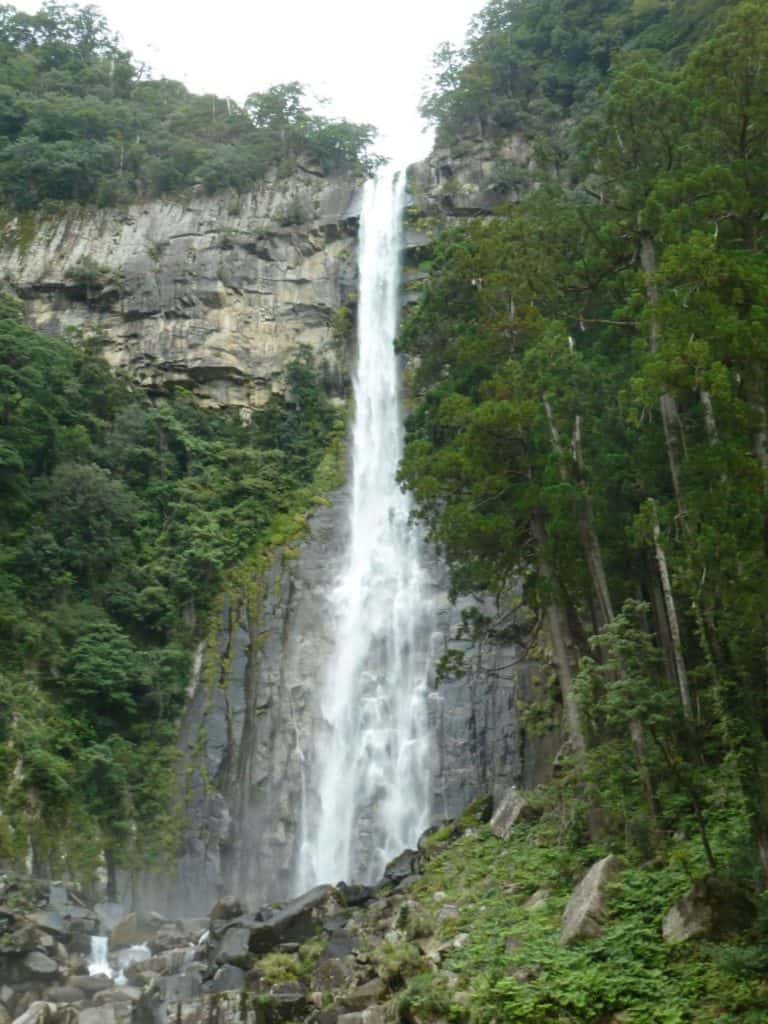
<point x="215" y="293"/>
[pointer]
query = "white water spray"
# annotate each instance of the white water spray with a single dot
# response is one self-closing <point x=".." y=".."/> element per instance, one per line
<point x="98" y="960"/>
<point x="367" y="795"/>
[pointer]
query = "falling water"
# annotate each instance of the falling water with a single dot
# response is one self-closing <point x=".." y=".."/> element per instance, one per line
<point x="98" y="960"/>
<point x="367" y="795"/>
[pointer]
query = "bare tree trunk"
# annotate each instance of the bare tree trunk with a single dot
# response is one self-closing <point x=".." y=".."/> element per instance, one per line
<point x="762" y="851"/>
<point x="672" y="620"/>
<point x="670" y="418"/>
<point x="604" y="604"/>
<point x="709" y="416"/>
<point x="589" y="540"/>
<point x="563" y="646"/>
<point x="602" y="597"/>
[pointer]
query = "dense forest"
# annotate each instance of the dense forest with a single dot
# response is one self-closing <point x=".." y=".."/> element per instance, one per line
<point x="119" y="519"/>
<point x="81" y="120"/>
<point x="587" y="442"/>
<point x="590" y="367"/>
<point x="590" y="375"/>
<point x="122" y="514"/>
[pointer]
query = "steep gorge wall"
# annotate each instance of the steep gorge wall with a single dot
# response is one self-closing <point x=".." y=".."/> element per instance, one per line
<point x="214" y="293"/>
<point x="217" y="293"/>
<point x="253" y="705"/>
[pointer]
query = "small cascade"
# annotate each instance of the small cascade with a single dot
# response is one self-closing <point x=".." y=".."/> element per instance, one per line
<point x="98" y="960"/>
<point x="367" y="782"/>
<point x="128" y="956"/>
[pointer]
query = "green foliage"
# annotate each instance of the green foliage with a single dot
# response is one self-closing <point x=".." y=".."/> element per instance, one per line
<point x="590" y="423"/>
<point x="396" y="961"/>
<point x="511" y="966"/>
<point x="278" y="968"/>
<point x="119" y="520"/>
<point x="528" y="64"/>
<point x="80" y="122"/>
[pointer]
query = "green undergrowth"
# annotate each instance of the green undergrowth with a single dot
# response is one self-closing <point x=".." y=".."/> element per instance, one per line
<point x="123" y="518"/>
<point x="508" y="965"/>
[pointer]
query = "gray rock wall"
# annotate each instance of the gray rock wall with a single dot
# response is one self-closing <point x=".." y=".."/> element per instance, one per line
<point x="253" y="705"/>
<point x="215" y="293"/>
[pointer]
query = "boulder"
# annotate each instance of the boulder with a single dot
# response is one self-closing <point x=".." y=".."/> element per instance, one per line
<point x="123" y="994"/>
<point x="135" y="929"/>
<point x="50" y="921"/>
<point x="339" y="944"/>
<point x="711" y="909"/>
<point x="226" y="908"/>
<point x="228" y="979"/>
<point x="79" y="920"/>
<point x="109" y="1013"/>
<point x="364" y="995"/>
<point x="171" y="961"/>
<point x="175" y="988"/>
<point x="587" y="908"/>
<point x="514" y="808"/>
<point x="296" y="921"/>
<point x="355" y="895"/>
<point x="537" y="899"/>
<point x="90" y="983"/>
<point x="403" y="867"/>
<point x="65" y="994"/>
<point x="289" y="1001"/>
<point x="332" y="973"/>
<point x="40" y="965"/>
<point x="234" y="946"/>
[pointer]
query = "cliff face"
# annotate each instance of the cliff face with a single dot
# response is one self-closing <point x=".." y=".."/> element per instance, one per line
<point x="254" y="704"/>
<point x="217" y="293"/>
<point x="214" y="293"/>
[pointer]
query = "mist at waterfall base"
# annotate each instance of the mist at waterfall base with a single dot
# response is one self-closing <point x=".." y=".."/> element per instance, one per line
<point x="367" y="779"/>
<point x="99" y="962"/>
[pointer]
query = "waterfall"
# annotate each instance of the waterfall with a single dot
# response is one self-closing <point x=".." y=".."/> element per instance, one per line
<point x="367" y="790"/>
<point x="98" y="961"/>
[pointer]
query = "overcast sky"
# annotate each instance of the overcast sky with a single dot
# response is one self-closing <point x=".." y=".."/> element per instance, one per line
<point x="369" y="58"/>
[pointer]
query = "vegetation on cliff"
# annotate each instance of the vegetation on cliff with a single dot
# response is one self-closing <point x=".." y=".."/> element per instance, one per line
<point x="119" y="517"/>
<point x="591" y="369"/>
<point x="80" y="120"/>
<point x="527" y="65"/>
<point x="494" y="907"/>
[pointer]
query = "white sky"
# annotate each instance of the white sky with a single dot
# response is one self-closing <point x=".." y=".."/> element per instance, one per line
<point x="370" y="58"/>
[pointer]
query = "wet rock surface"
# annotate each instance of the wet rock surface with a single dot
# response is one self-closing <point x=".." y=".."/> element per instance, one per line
<point x="318" y="958"/>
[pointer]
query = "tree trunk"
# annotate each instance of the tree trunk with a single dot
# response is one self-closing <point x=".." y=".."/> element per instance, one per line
<point x="670" y="418"/>
<point x="588" y="536"/>
<point x="709" y="416"/>
<point x="604" y="607"/>
<point x="672" y="620"/>
<point x="563" y="646"/>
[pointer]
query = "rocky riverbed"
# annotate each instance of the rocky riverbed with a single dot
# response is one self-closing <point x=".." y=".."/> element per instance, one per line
<point x="336" y="953"/>
<point x="486" y="911"/>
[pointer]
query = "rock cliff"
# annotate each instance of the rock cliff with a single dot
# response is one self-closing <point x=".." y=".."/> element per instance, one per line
<point x="253" y="705"/>
<point x="214" y="293"/>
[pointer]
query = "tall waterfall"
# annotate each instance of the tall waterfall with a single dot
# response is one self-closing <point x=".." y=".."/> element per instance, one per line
<point x="367" y="789"/>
